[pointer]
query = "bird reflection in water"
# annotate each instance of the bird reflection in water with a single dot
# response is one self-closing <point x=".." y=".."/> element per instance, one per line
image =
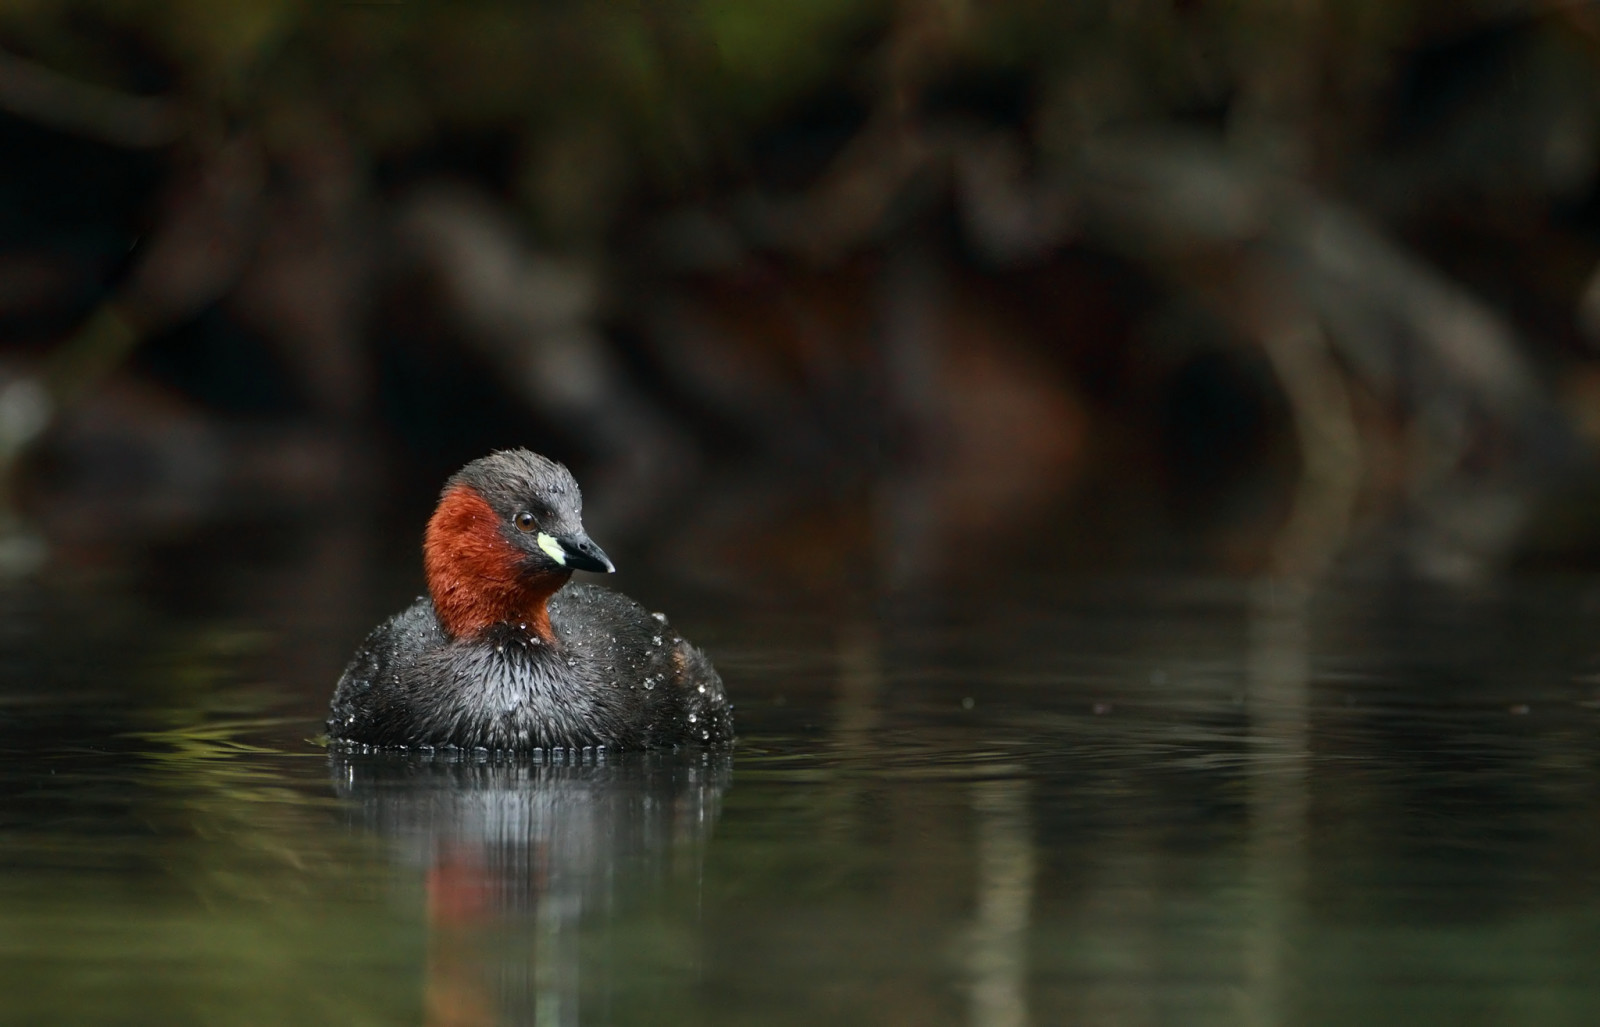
<point x="518" y="855"/>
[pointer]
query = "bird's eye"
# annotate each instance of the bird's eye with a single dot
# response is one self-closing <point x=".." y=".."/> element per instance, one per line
<point x="525" y="521"/>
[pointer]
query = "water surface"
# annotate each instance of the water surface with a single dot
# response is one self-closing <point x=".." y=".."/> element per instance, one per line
<point x="1146" y="800"/>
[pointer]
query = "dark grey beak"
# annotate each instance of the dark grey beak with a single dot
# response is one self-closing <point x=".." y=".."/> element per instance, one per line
<point x="583" y="555"/>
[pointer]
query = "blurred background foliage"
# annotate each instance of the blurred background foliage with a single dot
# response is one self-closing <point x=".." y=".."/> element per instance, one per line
<point x="843" y="290"/>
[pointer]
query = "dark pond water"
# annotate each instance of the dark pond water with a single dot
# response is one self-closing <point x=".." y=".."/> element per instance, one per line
<point x="1077" y="801"/>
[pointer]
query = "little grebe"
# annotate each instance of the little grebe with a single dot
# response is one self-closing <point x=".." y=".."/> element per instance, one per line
<point x="504" y="654"/>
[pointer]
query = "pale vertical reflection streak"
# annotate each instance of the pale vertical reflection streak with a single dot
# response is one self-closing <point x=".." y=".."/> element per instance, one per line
<point x="856" y="719"/>
<point x="997" y="959"/>
<point x="1279" y="697"/>
<point x="556" y="966"/>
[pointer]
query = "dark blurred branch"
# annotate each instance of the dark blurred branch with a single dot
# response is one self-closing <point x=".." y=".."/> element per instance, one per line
<point x="1328" y="298"/>
<point x="67" y="105"/>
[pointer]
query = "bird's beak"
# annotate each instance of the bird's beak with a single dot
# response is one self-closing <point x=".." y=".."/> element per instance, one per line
<point x="576" y="552"/>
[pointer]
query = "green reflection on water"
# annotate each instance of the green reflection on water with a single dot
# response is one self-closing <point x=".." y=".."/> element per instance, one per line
<point x="200" y="885"/>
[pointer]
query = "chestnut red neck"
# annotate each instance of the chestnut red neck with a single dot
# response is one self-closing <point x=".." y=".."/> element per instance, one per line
<point x="475" y="575"/>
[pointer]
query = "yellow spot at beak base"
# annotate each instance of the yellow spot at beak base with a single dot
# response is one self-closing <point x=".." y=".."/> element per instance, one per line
<point x="552" y="548"/>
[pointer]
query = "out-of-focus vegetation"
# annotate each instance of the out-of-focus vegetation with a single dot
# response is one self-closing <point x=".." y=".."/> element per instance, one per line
<point x="811" y="287"/>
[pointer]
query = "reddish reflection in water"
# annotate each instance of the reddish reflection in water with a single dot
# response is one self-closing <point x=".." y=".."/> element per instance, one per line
<point x="518" y="856"/>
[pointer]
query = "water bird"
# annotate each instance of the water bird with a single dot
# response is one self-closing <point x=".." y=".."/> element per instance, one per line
<point x="505" y="654"/>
